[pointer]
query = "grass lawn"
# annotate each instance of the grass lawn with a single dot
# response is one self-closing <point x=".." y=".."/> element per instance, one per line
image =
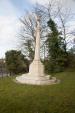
<point x="58" y="98"/>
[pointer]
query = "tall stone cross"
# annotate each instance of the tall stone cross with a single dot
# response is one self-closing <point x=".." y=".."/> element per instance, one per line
<point x="36" y="70"/>
<point x="36" y="67"/>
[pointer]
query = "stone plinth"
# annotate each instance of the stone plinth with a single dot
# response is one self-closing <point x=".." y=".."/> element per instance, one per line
<point x="36" y="68"/>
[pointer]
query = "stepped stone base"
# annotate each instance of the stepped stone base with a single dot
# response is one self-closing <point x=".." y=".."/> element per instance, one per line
<point x="36" y="75"/>
<point x="42" y="80"/>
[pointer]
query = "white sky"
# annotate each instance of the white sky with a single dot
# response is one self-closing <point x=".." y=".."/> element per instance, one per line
<point x="9" y="25"/>
<point x="9" y="22"/>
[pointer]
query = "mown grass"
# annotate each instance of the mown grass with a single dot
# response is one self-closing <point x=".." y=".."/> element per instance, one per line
<point x="58" y="98"/>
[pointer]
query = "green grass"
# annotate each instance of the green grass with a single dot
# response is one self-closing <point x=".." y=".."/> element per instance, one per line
<point x="58" y="98"/>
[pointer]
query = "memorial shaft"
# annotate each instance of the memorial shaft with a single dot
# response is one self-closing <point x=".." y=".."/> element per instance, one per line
<point x="37" y="45"/>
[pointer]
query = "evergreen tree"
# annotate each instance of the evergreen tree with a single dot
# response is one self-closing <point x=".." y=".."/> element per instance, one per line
<point x="56" y="52"/>
<point x="15" y="62"/>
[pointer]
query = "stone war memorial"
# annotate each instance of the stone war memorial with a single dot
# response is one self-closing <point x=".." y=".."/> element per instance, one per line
<point x="36" y="75"/>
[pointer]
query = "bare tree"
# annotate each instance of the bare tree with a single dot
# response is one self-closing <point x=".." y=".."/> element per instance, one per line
<point x="52" y="10"/>
<point x="64" y="16"/>
<point x="27" y="35"/>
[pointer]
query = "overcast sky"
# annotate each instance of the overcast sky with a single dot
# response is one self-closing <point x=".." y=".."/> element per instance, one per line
<point x="10" y="12"/>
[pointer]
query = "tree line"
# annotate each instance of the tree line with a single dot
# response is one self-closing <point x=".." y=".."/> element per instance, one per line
<point x="55" y="39"/>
